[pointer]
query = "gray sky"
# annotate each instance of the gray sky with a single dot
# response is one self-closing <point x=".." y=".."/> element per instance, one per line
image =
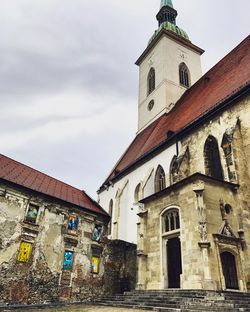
<point x="68" y="83"/>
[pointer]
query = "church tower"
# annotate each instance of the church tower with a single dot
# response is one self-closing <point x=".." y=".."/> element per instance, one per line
<point x="167" y="68"/>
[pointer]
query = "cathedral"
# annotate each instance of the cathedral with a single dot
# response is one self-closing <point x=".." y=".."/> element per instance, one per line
<point x="181" y="190"/>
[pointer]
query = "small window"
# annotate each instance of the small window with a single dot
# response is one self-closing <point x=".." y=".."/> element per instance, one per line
<point x="160" y="179"/>
<point x="32" y="214"/>
<point x="151" y="105"/>
<point x="171" y="221"/>
<point x="73" y="224"/>
<point x="184" y="75"/>
<point x="228" y="209"/>
<point x="68" y="260"/>
<point x="24" y="252"/>
<point x="97" y="233"/>
<point x="151" y="81"/>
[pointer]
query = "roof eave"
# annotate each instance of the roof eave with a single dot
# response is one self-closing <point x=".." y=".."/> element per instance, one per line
<point x="172" y="35"/>
<point x="102" y="213"/>
<point x="195" y="176"/>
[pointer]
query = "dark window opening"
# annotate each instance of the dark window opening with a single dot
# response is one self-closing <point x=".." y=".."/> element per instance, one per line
<point x="184" y="75"/>
<point x="151" y="81"/>
<point x="213" y="166"/>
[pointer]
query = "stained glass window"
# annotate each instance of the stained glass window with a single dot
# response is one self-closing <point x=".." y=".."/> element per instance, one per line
<point x="95" y="264"/>
<point x="68" y="260"/>
<point x="32" y="213"/>
<point x="73" y="223"/>
<point x="24" y="252"/>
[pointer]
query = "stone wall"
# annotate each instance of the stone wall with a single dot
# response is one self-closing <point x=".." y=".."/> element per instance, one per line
<point x="120" y="267"/>
<point x="205" y="231"/>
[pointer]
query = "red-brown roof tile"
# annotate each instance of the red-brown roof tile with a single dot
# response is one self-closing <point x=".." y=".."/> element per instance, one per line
<point x="230" y="75"/>
<point x="22" y="175"/>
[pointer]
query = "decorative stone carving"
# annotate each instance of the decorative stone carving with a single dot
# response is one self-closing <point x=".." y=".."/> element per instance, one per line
<point x="199" y="188"/>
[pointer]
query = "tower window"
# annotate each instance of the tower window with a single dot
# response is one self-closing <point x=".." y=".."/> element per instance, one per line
<point x="160" y="179"/>
<point x="151" y="80"/>
<point x="184" y="75"/>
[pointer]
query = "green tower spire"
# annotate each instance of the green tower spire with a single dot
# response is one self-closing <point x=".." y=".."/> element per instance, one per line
<point x="166" y="2"/>
<point x="166" y="18"/>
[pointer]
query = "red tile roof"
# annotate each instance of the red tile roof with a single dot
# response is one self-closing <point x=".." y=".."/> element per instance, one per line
<point x="22" y="175"/>
<point x="230" y="75"/>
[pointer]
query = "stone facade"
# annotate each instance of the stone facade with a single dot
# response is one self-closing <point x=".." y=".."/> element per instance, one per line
<point x="49" y="251"/>
<point x="208" y="210"/>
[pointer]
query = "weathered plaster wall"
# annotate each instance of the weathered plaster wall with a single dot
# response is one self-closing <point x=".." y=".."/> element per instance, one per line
<point x="43" y="277"/>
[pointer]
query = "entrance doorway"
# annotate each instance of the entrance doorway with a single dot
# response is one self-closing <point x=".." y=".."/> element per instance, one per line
<point x="174" y="262"/>
<point x="229" y="270"/>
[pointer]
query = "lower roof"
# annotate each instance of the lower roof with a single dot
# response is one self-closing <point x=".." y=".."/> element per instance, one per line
<point x="31" y="179"/>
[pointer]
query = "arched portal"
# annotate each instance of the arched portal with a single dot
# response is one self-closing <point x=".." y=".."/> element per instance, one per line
<point x="229" y="270"/>
<point x="172" y="259"/>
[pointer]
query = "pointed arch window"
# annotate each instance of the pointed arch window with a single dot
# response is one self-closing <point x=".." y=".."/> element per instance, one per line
<point x="151" y="80"/>
<point x="184" y="75"/>
<point x="160" y="179"/>
<point x="212" y="160"/>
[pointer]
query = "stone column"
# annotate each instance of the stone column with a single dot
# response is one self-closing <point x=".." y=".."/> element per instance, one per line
<point x="141" y="252"/>
<point x="204" y="244"/>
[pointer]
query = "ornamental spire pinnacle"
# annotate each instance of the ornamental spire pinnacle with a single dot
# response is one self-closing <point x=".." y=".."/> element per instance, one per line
<point x="167" y="12"/>
<point x="166" y="3"/>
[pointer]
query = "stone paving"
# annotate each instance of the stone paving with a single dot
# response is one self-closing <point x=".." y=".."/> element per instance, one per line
<point x="82" y="309"/>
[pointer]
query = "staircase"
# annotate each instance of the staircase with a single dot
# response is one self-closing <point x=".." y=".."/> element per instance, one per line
<point x="180" y="300"/>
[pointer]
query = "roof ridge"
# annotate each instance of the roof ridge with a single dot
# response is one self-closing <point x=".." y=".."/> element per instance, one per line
<point x="49" y="176"/>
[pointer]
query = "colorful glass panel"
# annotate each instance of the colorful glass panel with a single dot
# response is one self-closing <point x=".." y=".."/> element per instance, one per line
<point x="24" y="252"/>
<point x="97" y="233"/>
<point x="68" y="260"/>
<point x="95" y="264"/>
<point x="32" y="213"/>
<point x="73" y="223"/>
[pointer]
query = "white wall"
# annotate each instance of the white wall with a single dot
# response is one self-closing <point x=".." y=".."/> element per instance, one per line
<point x="128" y="217"/>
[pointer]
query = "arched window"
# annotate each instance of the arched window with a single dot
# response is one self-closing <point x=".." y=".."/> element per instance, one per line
<point x="171" y="221"/>
<point x="184" y="75"/>
<point x="111" y="215"/>
<point x="151" y="80"/>
<point x="160" y="179"/>
<point x="213" y="166"/>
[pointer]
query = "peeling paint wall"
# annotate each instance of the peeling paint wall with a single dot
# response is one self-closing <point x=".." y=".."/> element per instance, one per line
<point x="34" y="236"/>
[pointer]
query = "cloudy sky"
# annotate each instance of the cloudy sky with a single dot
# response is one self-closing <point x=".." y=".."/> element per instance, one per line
<point x="68" y="83"/>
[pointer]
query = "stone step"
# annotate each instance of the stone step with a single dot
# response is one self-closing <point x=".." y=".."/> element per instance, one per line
<point x="181" y="300"/>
